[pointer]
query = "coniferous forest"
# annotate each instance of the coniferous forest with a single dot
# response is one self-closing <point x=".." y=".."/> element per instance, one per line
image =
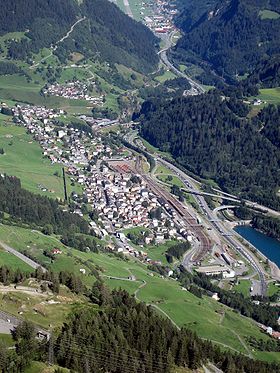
<point x="121" y="335"/>
<point x="231" y="37"/>
<point x="106" y="31"/>
<point x="211" y="136"/>
<point x="24" y="206"/>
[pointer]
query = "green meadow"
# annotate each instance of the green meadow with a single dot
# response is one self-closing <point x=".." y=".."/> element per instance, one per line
<point x="16" y="88"/>
<point x="12" y="261"/>
<point x="23" y="158"/>
<point x="207" y="317"/>
<point x="243" y="287"/>
<point x="270" y="95"/>
<point x="268" y="14"/>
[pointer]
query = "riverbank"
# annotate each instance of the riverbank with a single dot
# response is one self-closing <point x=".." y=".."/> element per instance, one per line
<point x="268" y="248"/>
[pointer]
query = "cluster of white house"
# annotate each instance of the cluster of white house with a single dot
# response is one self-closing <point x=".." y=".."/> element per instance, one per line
<point x="120" y="201"/>
<point x="76" y="90"/>
<point x="161" y="21"/>
<point x="27" y="113"/>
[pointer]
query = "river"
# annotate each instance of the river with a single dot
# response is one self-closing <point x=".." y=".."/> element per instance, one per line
<point x="270" y="247"/>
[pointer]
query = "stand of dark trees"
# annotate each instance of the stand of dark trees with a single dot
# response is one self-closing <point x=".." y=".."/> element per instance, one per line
<point x="31" y="208"/>
<point x="266" y="74"/>
<point x="211" y="136"/>
<point x="124" y="336"/>
<point x="227" y="36"/>
<point x="268" y="225"/>
<point x="107" y="31"/>
<point x="263" y="313"/>
<point x="176" y="251"/>
<point x="80" y="242"/>
<point x="264" y="345"/>
<point x="9" y="68"/>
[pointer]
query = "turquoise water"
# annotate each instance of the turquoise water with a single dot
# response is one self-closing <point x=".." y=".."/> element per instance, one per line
<point x="270" y="247"/>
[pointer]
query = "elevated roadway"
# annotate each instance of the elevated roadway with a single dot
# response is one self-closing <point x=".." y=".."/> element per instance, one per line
<point x="228" y="236"/>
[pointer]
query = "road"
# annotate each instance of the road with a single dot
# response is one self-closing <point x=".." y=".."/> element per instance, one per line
<point x="195" y="87"/>
<point x="8" y="322"/>
<point x="229" y="236"/>
<point x="127" y="8"/>
<point x="58" y="42"/>
<point x="24" y="258"/>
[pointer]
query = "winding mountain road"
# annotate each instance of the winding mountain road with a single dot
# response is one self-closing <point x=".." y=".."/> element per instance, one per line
<point x="196" y="88"/>
<point x="58" y="42"/>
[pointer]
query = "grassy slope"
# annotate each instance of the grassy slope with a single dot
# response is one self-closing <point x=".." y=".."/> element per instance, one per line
<point x="12" y="261"/>
<point x="37" y="309"/>
<point x="270" y="95"/>
<point x="201" y="315"/>
<point x="23" y="158"/>
<point x="243" y="287"/>
<point x="38" y="367"/>
<point x="268" y="14"/>
<point x="16" y="88"/>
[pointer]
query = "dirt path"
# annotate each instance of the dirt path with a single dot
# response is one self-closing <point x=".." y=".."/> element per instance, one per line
<point x="58" y="42"/>
<point x="23" y="289"/>
<point x="144" y="283"/>
<point x="127" y="8"/>
<point x="243" y="343"/>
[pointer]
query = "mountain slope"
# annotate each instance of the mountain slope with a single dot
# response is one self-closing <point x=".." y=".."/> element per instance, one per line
<point x="233" y="36"/>
<point x="105" y="30"/>
<point x="267" y="73"/>
<point x="211" y="136"/>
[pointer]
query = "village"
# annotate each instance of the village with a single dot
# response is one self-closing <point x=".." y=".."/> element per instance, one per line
<point x="113" y="190"/>
<point x="76" y="90"/>
<point x="161" y="19"/>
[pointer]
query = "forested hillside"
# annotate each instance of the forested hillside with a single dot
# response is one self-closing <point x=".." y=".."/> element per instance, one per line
<point x="232" y="37"/>
<point x="192" y="12"/>
<point x="211" y="136"/>
<point x="266" y="74"/>
<point x="105" y="30"/>
<point x="24" y="206"/>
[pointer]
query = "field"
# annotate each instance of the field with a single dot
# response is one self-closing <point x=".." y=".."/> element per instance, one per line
<point x="16" y="88"/>
<point x="268" y="14"/>
<point x="270" y="95"/>
<point x="41" y="309"/>
<point x="172" y="180"/>
<point x="273" y="289"/>
<point x="35" y="243"/>
<point x="243" y="287"/>
<point x="23" y="158"/>
<point x="12" y="261"/>
<point x="209" y="318"/>
<point x="167" y="75"/>
<point x="138" y="10"/>
<point x="157" y="252"/>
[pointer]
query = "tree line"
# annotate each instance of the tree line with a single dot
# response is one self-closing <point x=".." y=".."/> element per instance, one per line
<point x="268" y="225"/>
<point x="123" y="335"/>
<point x="31" y="208"/>
<point x="177" y="251"/>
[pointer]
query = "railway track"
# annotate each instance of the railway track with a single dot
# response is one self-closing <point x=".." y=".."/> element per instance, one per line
<point x="190" y="221"/>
